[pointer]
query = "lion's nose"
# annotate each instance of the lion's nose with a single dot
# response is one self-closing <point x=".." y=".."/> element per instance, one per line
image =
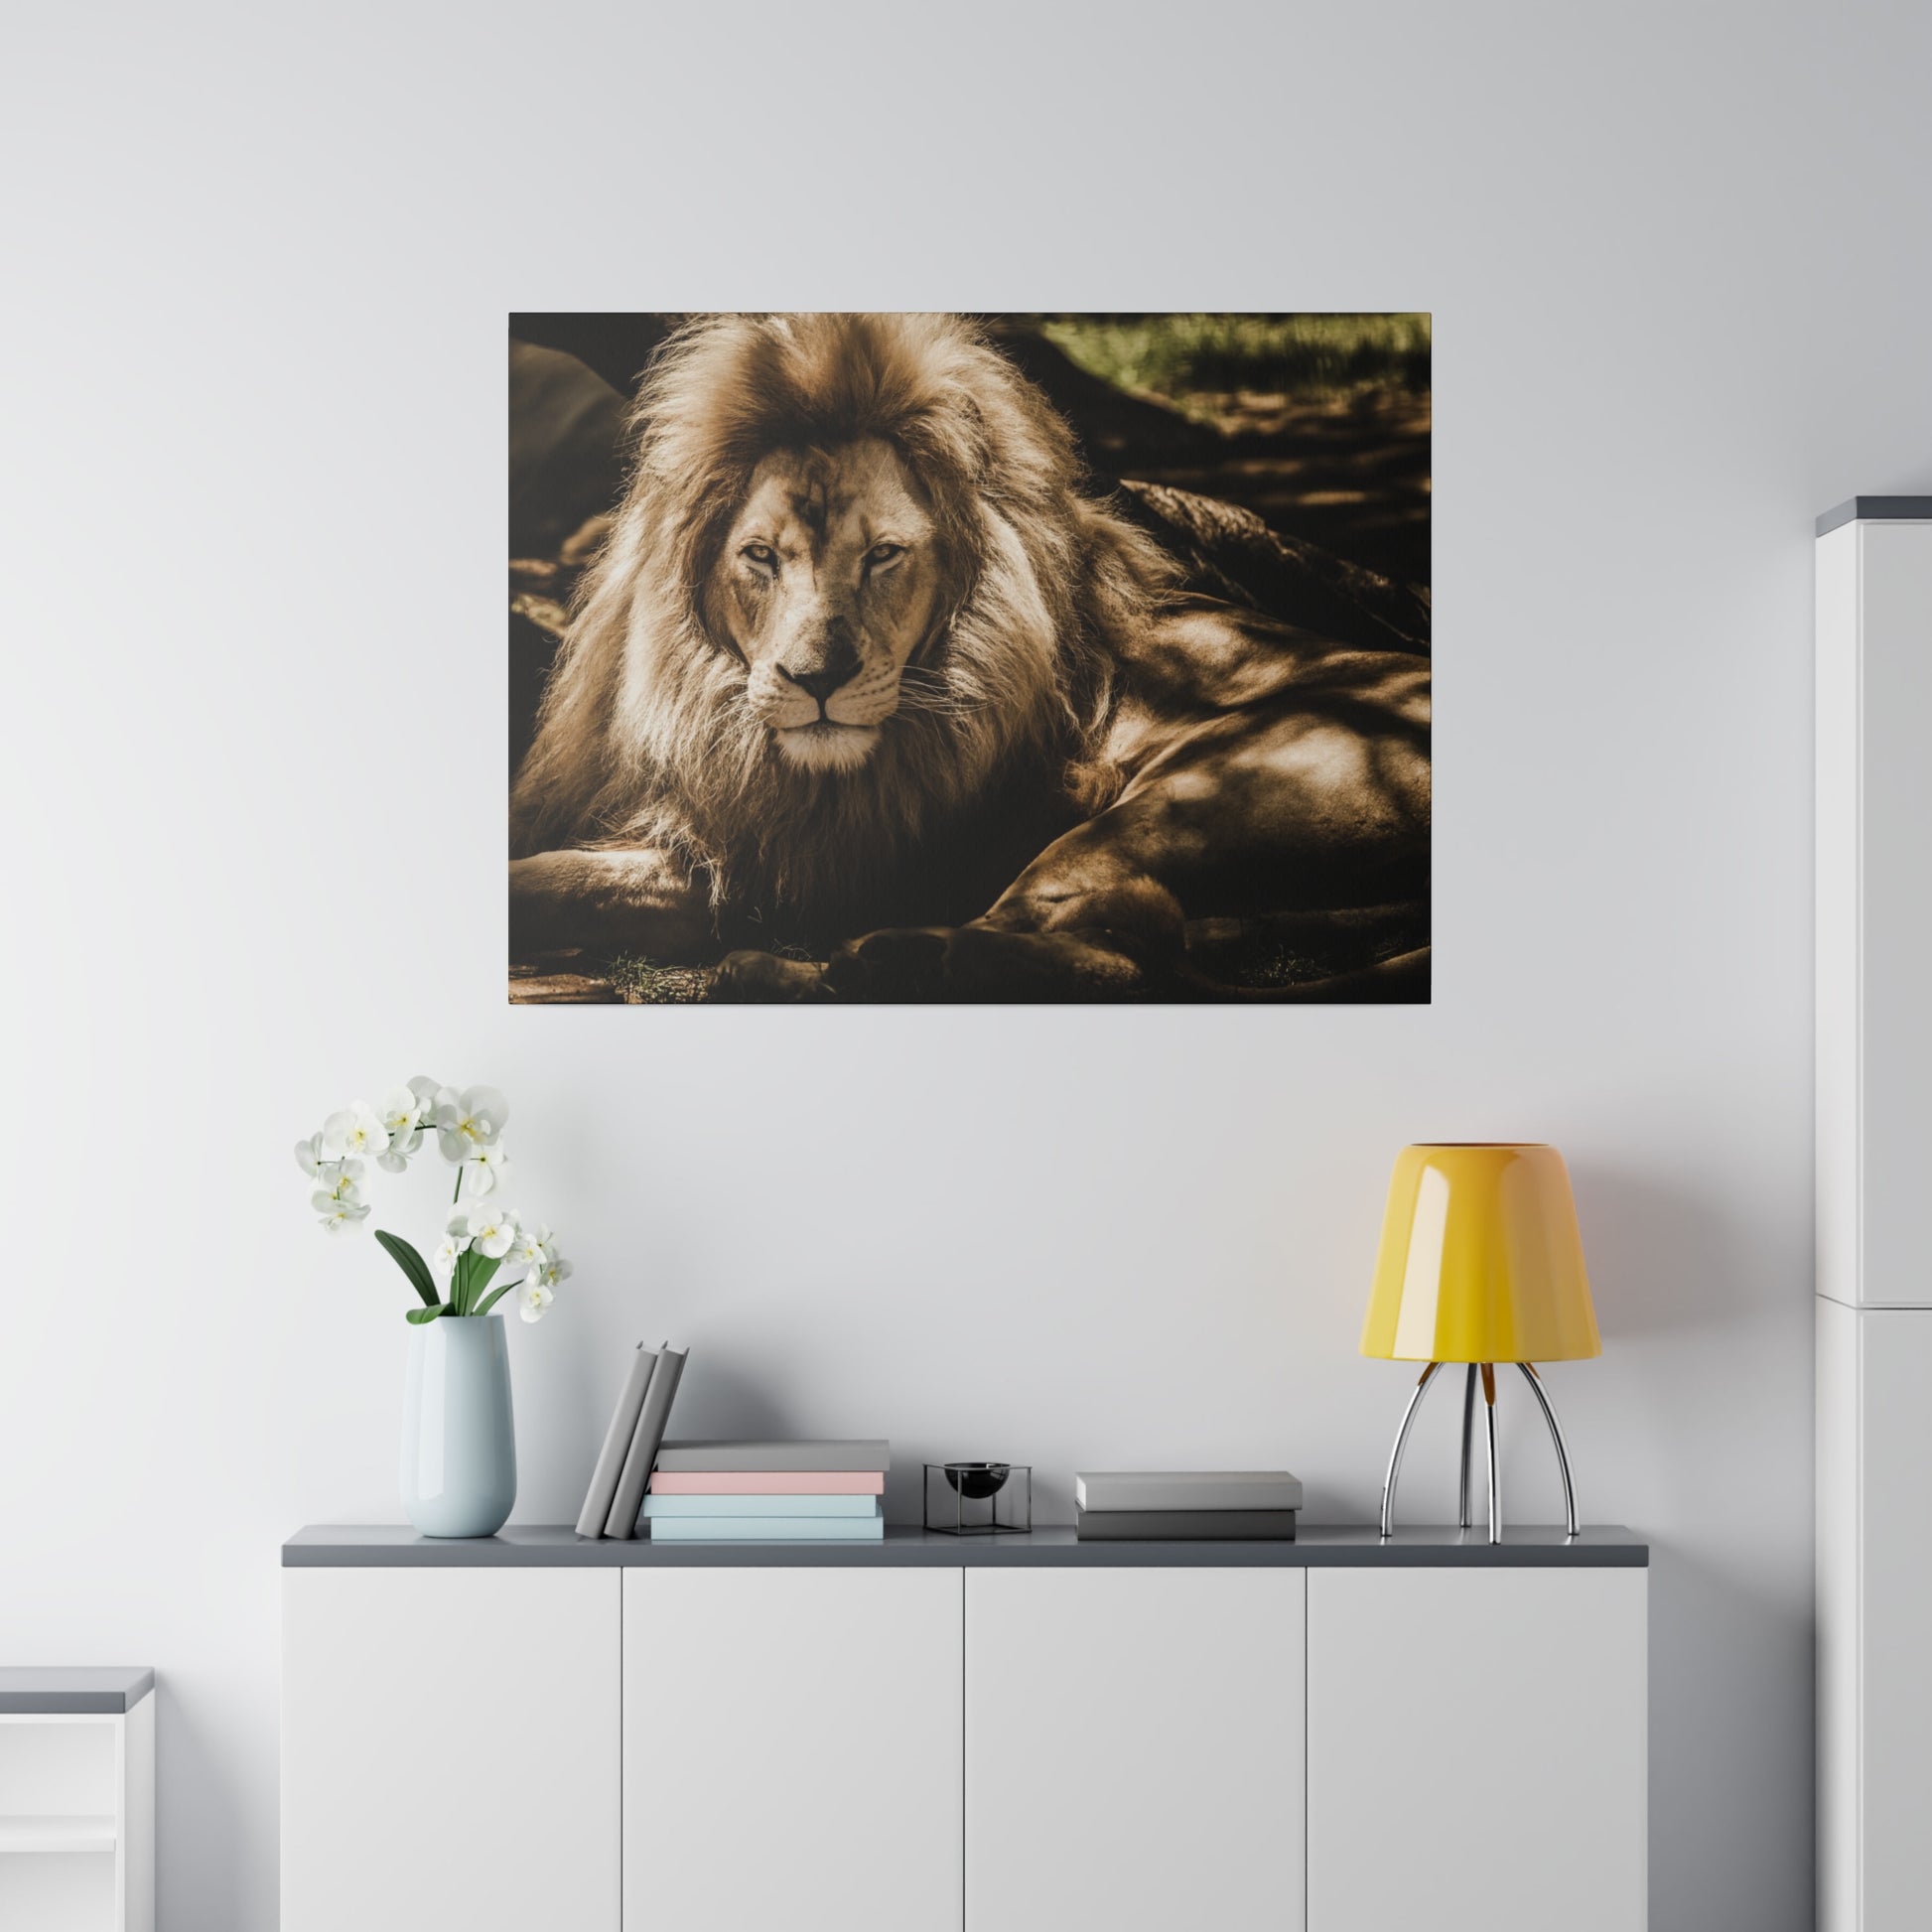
<point x="819" y="673"/>
<point x="815" y="684"/>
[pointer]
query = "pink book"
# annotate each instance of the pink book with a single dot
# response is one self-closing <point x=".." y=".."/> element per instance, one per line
<point x="771" y="1482"/>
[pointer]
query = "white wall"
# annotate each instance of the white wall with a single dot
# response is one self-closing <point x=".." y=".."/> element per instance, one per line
<point x="257" y="263"/>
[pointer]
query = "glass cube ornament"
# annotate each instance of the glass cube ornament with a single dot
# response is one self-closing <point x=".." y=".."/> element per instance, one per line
<point x="979" y="1499"/>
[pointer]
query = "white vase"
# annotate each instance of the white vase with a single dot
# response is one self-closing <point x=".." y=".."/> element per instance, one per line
<point x="459" y="1438"/>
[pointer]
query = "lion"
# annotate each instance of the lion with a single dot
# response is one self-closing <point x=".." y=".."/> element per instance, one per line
<point x="869" y="696"/>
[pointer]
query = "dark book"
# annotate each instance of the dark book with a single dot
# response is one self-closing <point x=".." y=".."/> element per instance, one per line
<point x="595" y="1512"/>
<point x="645" y="1442"/>
<point x="1189" y="1489"/>
<point x="1186" y="1525"/>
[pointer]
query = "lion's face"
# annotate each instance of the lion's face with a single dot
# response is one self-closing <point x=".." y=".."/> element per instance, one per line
<point x="826" y="583"/>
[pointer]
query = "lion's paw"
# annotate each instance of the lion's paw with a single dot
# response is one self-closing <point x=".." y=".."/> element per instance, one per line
<point x="979" y="963"/>
<point x="763" y="978"/>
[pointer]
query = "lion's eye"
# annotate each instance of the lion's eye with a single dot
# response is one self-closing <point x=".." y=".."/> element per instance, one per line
<point x="882" y="554"/>
<point x="760" y="554"/>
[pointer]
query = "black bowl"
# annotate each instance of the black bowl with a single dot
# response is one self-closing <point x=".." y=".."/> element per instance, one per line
<point x="978" y="1480"/>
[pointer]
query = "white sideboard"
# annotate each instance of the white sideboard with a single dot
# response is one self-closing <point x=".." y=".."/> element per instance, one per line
<point x="1875" y="1156"/>
<point x="936" y="1735"/>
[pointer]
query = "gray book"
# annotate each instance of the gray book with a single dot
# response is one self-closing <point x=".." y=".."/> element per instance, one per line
<point x="1187" y="1526"/>
<point x="617" y="1444"/>
<point x="644" y="1440"/>
<point x="739" y="1458"/>
<point x="1189" y="1489"/>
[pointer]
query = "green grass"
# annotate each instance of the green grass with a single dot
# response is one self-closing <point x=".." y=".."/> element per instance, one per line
<point x="1304" y="355"/>
<point x="651" y="983"/>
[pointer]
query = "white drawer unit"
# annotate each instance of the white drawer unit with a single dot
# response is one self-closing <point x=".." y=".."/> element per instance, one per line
<point x="76" y="1800"/>
<point x="946" y="1735"/>
<point x="1873" y="1153"/>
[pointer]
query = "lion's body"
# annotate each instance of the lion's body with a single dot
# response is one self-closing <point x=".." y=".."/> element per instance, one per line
<point x="861" y="653"/>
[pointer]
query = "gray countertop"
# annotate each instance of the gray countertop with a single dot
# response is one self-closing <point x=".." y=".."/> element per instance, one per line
<point x="1877" y="509"/>
<point x="64" y="1690"/>
<point x="544" y="1546"/>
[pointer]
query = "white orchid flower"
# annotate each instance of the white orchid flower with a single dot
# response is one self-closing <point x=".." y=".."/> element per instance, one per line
<point x="444" y="1260"/>
<point x="468" y="1121"/>
<point x="357" y="1130"/>
<point x="339" y="1180"/>
<point x="552" y="1270"/>
<point x="402" y="1113"/>
<point x="395" y="1158"/>
<point x="341" y="1213"/>
<point x="532" y="1248"/>
<point x="307" y="1156"/>
<point x="487" y="1171"/>
<point x="492" y="1230"/>
<point x="531" y="1301"/>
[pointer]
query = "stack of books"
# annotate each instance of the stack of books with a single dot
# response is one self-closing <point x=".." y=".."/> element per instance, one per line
<point x="775" y="1492"/>
<point x="630" y="1444"/>
<point x="1228" y="1505"/>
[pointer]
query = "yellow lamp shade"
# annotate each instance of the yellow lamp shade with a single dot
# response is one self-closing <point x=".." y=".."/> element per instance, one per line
<point x="1480" y="1260"/>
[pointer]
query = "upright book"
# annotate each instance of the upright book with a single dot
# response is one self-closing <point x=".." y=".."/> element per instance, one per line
<point x="645" y="1442"/>
<point x="603" y="1491"/>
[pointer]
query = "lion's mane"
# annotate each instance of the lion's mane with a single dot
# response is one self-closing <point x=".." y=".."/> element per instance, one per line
<point x="644" y="736"/>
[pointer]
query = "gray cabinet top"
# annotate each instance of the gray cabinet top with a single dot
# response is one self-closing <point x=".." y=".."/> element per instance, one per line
<point x="1877" y="510"/>
<point x="1317" y="1546"/>
<point x="64" y="1690"/>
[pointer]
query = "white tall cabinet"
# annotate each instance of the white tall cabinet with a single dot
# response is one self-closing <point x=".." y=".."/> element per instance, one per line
<point x="1874" y="1210"/>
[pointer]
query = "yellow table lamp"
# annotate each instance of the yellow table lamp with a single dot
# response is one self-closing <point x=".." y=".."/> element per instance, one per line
<point x="1480" y="1263"/>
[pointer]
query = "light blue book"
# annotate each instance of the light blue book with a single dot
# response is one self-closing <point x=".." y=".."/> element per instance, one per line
<point x="662" y="1506"/>
<point x="767" y="1529"/>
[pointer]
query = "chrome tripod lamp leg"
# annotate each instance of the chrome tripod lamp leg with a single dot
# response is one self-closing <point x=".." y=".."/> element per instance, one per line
<point x="1556" y="1436"/>
<point x="1495" y="1467"/>
<point x="1464" y="1519"/>
<point x="1401" y="1439"/>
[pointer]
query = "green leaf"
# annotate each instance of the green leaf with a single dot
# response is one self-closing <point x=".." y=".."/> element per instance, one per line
<point x="420" y="1316"/>
<point x="494" y="1295"/>
<point x="411" y="1263"/>
<point x="484" y="1266"/>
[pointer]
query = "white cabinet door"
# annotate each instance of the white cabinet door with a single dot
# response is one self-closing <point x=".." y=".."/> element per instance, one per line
<point x="1894" y="1548"/>
<point x="1134" y="1749"/>
<point x="1895" y="899"/>
<point x="1875" y="910"/>
<point x="1477" y="1751"/>
<point x="792" y="1750"/>
<point x="449" y="1749"/>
